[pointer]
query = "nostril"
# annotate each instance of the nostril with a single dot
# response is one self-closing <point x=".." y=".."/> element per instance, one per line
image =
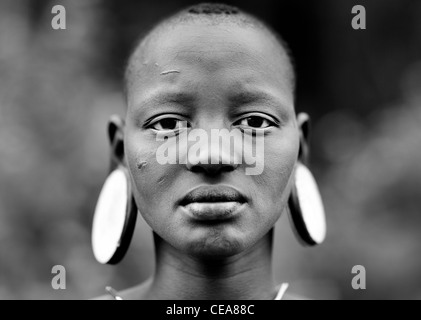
<point x="213" y="158"/>
<point x="228" y="167"/>
<point x="213" y="168"/>
<point x="197" y="169"/>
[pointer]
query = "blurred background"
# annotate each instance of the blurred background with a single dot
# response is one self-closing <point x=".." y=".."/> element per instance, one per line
<point x="361" y="87"/>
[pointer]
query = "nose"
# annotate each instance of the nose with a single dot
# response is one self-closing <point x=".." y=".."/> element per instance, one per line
<point x="212" y="159"/>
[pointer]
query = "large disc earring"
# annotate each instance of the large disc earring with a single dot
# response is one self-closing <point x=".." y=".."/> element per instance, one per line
<point x="306" y="208"/>
<point x="114" y="219"/>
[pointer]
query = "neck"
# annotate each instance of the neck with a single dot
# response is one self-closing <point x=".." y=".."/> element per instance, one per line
<point x="245" y="276"/>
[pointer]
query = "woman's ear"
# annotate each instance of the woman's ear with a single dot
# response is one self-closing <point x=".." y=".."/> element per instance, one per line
<point x="303" y="121"/>
<point x="116" y="137"/>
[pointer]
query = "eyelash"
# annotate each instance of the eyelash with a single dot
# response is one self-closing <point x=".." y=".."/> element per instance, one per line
<point x="271" y="123"/>
<point x="166" y="118"/>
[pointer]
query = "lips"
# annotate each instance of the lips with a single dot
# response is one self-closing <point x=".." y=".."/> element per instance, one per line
<point x="211" y="203"/>
<point x="213" y="194"/>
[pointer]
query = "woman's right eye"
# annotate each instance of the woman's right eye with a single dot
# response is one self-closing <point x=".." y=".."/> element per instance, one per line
<point x="166" y="124"/>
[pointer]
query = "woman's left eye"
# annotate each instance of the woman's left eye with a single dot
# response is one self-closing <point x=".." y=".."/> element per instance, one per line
<point x="254" y="122"/>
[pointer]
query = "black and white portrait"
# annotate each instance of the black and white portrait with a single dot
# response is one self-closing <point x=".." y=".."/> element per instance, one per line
<point x="178" y="150"/>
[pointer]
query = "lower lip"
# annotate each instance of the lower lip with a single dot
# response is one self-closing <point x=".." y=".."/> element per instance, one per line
<point x="210" y="211"/>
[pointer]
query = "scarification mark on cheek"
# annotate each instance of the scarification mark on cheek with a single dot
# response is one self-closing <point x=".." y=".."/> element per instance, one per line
<point x="162" y="180"/>
<point x="142" y="164"/>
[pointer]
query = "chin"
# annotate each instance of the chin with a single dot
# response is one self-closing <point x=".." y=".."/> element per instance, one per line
<point x="216" y="247"/>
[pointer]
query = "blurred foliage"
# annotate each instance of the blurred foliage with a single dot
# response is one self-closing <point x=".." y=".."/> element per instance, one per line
<point x="362" y="89"/>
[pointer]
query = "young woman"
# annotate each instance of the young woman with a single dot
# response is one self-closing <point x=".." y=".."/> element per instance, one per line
<point x="208" y="70"/>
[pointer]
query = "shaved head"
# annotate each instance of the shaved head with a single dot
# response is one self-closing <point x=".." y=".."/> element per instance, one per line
<point x="205" y="14"/>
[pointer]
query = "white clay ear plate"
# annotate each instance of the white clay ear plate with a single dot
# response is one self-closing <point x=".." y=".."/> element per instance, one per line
<point x="311" y="203"/>
<point x="109" y="217"/>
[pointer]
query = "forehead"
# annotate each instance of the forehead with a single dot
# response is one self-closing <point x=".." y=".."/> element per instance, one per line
<point x="235" y="56"/>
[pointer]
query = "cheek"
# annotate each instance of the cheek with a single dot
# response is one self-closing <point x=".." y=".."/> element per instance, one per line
<point x="151" y="181"/>
<point x="280" y="157"/>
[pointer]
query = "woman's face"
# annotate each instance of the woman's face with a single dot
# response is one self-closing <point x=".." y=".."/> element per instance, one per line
<point x="206" y="77"/>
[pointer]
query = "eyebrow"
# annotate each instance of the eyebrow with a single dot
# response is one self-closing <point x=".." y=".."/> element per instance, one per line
<point x="237" y="101"/>
<point x="243" y="98"/>
<point x="160" y="98"/>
